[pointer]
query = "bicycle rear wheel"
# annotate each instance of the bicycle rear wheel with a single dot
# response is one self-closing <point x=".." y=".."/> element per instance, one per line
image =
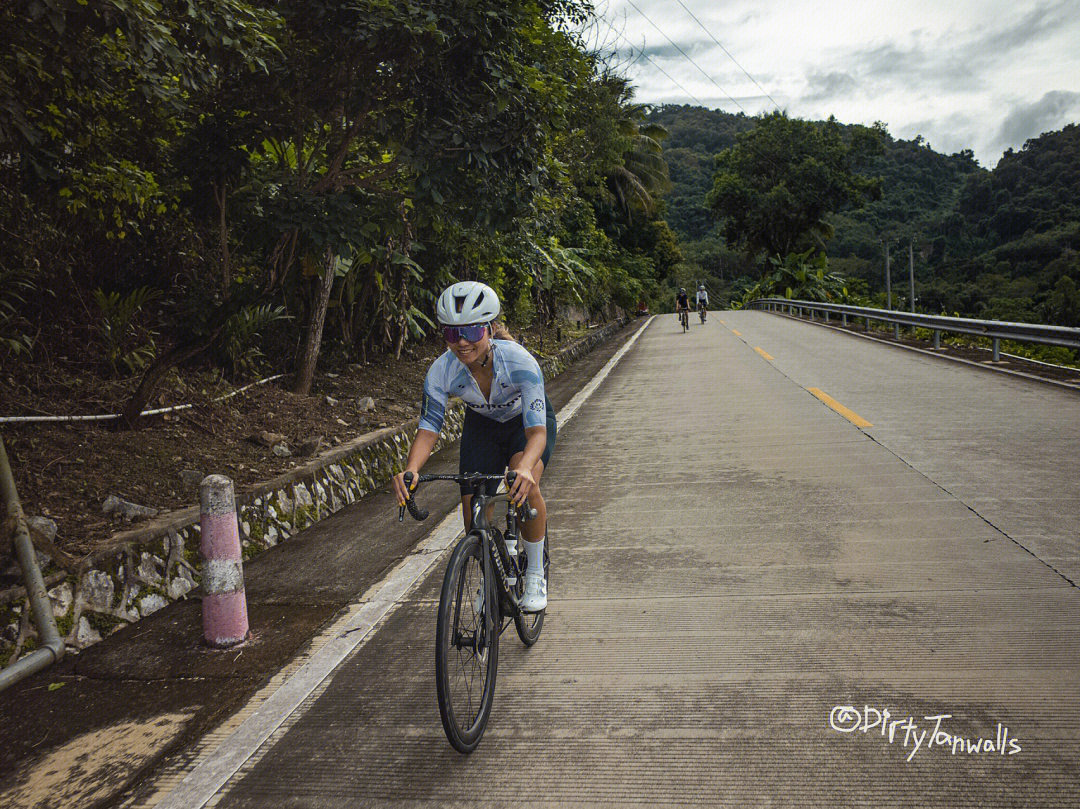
<point x="529" y="624"/>
<point x="466" y="645"/>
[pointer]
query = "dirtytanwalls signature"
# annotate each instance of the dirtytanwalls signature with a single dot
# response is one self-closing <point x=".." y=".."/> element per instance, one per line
<point x="849" y="719"/>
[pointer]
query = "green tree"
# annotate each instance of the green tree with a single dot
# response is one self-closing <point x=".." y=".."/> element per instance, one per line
<point x="641" y="175"/>
<point x="773" y="190"/>
<point x="800" y="276"/>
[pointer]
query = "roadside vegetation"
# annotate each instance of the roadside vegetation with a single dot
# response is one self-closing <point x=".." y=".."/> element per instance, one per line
<point x="996" y="244"/>
<point x="249" y="188"/>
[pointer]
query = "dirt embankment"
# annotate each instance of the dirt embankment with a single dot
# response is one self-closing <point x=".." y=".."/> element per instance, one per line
<point x="66" y="471"/>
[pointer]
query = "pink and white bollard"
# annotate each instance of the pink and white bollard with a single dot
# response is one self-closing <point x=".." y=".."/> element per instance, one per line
<point x="225" y="620"/>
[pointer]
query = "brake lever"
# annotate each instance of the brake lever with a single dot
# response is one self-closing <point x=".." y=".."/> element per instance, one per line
<point x="526" y="513"/>
<point x="417" y="513"/>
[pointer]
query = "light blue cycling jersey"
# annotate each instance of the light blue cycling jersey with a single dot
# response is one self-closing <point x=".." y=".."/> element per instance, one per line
<point x="517" y="387"/>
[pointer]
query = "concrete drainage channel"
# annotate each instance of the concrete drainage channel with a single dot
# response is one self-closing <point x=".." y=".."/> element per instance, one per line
<point x="145" y="569"/>
<point x="238" y="742"/>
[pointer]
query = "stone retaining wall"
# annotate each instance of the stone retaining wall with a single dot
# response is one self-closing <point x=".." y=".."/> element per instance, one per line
<point x="144" y="569"/>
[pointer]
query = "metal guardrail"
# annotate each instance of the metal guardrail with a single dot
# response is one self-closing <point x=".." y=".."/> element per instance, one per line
<point x="996" y="330"/>
<point x="50" y="644"/>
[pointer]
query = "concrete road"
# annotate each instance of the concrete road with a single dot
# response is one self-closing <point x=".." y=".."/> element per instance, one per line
<point x="754" y="602"/>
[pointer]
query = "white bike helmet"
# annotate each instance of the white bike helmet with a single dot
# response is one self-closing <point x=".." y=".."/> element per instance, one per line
<point x="467" y="302"/>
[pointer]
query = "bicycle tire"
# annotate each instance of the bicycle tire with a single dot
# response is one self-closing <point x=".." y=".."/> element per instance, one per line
<point x="529" y="624"/>
<point x="466" y="636"/>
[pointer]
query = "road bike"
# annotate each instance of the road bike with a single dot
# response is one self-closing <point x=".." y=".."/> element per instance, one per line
<point x="684" y="319"/>
<point x="483" y="585"/>
<point x="701" y="311"/>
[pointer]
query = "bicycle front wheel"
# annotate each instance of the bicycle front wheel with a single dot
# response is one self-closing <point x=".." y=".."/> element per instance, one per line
<point x="529" y="624"/>
<point x="466" y="645"/>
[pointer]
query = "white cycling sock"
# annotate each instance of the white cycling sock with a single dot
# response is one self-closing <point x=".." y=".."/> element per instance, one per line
<point x="534" y="552"/>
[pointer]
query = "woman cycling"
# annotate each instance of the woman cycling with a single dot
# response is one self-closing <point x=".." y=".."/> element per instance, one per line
<point x="509" y="421"/>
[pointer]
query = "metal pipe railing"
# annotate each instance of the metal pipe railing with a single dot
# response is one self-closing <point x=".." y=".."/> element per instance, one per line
<point x="114" y="416"/>
<point x="996" y="330"/>
<point x="50" y="644"/>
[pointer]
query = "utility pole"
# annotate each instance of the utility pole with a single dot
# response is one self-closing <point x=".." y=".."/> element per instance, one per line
<point x="911" y="270"/>
<point x="888" y="277"/>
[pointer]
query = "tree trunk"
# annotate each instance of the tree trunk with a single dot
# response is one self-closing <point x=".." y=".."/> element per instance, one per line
<point x="129" y="419"/>
<point x="403" y="294"/>
<point x="221" y="197"/>
<point x="305" y="371"/>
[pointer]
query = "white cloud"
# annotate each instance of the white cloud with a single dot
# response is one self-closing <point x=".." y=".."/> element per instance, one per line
<point x="979" y="74"/>
<point x="1052" y="111"/>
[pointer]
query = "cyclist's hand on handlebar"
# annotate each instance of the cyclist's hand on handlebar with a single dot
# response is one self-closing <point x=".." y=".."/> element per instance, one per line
<point x="524" y="482"/>
<point x="400" y="491"/>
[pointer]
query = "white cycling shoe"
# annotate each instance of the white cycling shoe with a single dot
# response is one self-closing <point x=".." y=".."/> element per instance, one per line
<point x="534" y="599"/>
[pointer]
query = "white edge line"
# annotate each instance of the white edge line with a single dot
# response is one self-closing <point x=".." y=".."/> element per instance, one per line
<point x="217" y="766"/>
<point x="567" y="413"/>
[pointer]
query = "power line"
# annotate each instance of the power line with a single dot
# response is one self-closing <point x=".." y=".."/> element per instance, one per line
<point x="725" y="50"/>
<point x="687" y="56"/>
<point x="657" y="66"/>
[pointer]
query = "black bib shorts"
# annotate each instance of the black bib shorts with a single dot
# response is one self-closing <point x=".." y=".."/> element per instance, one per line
<point x="488" y="445"/>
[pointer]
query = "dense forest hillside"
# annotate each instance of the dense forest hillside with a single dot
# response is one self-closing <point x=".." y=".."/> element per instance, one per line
<point x="1001" y="243"/>
<point x="695" y="135"/>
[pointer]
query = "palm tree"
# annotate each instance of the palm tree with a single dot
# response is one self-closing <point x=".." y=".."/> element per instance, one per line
<point x="643" y="173"/>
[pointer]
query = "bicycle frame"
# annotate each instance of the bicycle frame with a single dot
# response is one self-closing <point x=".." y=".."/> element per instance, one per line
<point x="496" y="557"/>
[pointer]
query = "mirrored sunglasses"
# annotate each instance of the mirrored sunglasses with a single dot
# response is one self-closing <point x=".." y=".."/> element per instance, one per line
<point x="471" y="333"/>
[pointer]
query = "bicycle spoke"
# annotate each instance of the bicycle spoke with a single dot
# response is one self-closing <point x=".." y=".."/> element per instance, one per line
<point x="467" y="638"/>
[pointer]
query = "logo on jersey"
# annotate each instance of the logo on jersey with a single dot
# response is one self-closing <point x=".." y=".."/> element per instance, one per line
<point x="537" y="405"/>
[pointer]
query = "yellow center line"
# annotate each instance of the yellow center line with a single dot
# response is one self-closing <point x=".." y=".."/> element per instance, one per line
<point x="736" y="333"/>
<point x="723" y="322"/>
<point x="763" y="353"/>
<point x="850" y="415"/>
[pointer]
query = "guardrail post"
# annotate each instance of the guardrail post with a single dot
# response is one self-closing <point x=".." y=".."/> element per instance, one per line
<point x="937" y="338"/>
<point x="997" y="349"/>
<point x="844" y="316"/>
<point x="225" y="620"/>
<point x="826" y="317"/>
<point x="896" y="331"/>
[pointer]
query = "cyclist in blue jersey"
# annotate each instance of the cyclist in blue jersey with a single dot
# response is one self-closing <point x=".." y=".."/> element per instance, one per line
<point x="509" y="421"/>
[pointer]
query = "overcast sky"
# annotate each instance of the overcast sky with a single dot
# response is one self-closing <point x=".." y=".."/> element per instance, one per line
<point x="978" y="74"/>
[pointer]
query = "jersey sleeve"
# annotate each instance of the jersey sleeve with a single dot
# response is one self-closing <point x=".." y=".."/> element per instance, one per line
<point x="530" y="381"/>
<point x="433" y="401"/>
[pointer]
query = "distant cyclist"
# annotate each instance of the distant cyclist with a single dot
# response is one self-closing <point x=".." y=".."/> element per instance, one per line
<point x="509" y="421"/>
<point x="682" y="303"/>
<point x="702" y="301"/>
